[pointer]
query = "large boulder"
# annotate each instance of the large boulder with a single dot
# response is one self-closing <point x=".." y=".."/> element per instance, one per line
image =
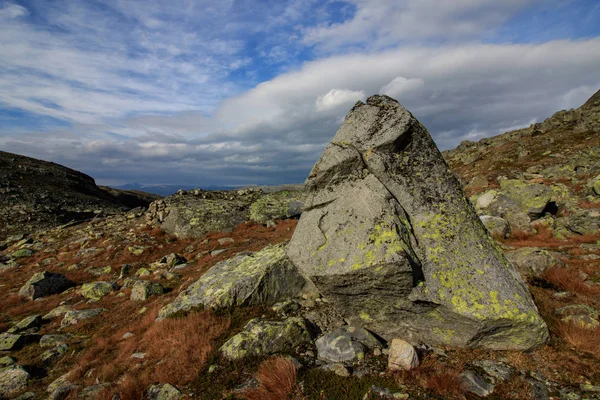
<point x="43" y="284"/>
<point x="264" y="277"/>
<point x="279" y="205"/>
<point x="388" y="236"/>
<point x="532" y="261"/>
<point x="197" y="212"/>
<point x="347" y="344"/>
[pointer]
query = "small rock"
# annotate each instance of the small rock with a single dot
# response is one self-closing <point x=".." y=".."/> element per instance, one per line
<point x="267" y="337"/>
<point x="402" y="356"/>
<point x="6" y="361"/>
<point x="498" y="227"/>
<point x="163" y="391"/>
<point x="215" y="253"/>
<point x="22" y="253"/>
<point x="97" y="290"/>
<point x="138" y="356"/>
<point x="474" y="383"/>
<point x="136" y="250"/>
<point x="12" y="378"/>
<point x="55" y="340"/>
<point x="143" y="289"/>
<point x="225" y="241"/>
<point x="496" y="369"/>
<point x="385" y="393"/>
<point x="74" y="316"/>
<point x="589" y="388"/>
<point x="337" y="368"/>
<point x="347" y="344"/>
<point x="53" y="354"/>
<point x="172" y="260"/>
<point x="143" y="272"/>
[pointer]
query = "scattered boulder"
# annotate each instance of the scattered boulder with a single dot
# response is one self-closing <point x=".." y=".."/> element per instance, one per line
<point x="12" y="379"/>
<point x="11" y="341"/>
<point x="163" y="391"/>
<point x="97" y="290"/>
<point x="497" y="370"/>
<point x="171" y="260"/>
<point x="579" y="314"/>
<point x="596" y="185"/>
<point x="264" y="277"/>
<point x="347" y="344"/>
<point x="74" y="316"/>
<point x="389" y="238"/>
<point x="31" y="323"/>
<point x="533" y="262"/>
<point x="259" y="338"/>
<point x="54" y="340"/>
<point x="141" y="290"/>
<point x="498" y="227"/>
<point x="57" y="312"/>
<point x="283" y="204"/>
<point x="22" y="253"/>
<point x="533" y="199"/>
<point x="6" y="361"/>
<point x="43" y="284"/>
<point x="402" y="356"/>
<point x="475" y="383"/>
<point x="60" y="388"/>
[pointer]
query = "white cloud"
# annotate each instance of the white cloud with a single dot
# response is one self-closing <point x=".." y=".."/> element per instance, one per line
<point x="12" y="11"/>
<point x="338" y="97"/>
<point x="401" y="85"/>
<point x="379" y="23"/>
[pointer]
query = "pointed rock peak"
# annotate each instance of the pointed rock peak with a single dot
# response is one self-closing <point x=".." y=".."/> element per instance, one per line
<point x="390" y="239"/>
<point x="593" y="102"/>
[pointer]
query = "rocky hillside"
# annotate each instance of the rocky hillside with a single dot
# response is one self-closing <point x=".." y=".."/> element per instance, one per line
<point x="36" y="194"/>
<point x="388" y="286"/>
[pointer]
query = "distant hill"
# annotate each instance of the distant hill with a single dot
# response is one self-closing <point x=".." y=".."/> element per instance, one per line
<point x="167" y="190"/>
<point x="36" y="194"/>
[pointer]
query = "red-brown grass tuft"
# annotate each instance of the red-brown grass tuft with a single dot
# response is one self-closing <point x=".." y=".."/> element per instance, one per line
<point x="589" y="205"/>
<point x="584" y="339"/>
<point x="569" y="280"/>
<point x="446" y="384"/>
<point x="543" y="237"/>
<point x="277" y="379"/>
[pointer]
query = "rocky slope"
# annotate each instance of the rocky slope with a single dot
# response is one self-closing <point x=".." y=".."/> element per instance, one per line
<point x="36" y="194"/>
<point x="197" y="298"/>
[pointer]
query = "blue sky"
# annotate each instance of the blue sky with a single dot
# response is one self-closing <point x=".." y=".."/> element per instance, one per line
<point x="249" y="92"/>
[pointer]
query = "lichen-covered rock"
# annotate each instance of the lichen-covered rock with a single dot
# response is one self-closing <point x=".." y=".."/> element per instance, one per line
<point x="60" y="388"/>
<point x="260" y="338"/>
<point x="532" y="198"/>
<point x="596" y="185"/>
<point x="581" y="315"/>
<point x="141" y="290"/>
<point x="163" y="391"/>
<point x="74" y="316"/>
<point x="54" y="340"/>
<point x="402" y="356"/>
<point x="57" y="312"/>
<point x="12" y="379"/>
<point x="581" y="223"/>
<point x="170" y="260"/>
<point x="195" y="213"/>
<point x="264" y="277"/>
<point x="279" y="205"/>
<point x="26" y="324"/>
<point x="532" y="261"/>
<point x="475" y="383"/>
<point x="11" y="341"/>
<point x="497" y="226"/>
<point x="348" y="344"/>
<point x="97" y="290"/>
<point x="43" y="284"/>
<point x="389" y="238"/>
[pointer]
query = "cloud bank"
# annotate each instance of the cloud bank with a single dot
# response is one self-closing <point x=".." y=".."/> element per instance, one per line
<point x="203" y="94"/>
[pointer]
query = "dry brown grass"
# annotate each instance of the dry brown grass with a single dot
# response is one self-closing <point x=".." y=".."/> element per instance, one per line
<point x="584" y="339"/>
<point x="277" y="379"/>
<point x="175" y="351"/>
<point x="569" y="280"/>
<point x="543" y="237"/>
<point x="446" y="384"/>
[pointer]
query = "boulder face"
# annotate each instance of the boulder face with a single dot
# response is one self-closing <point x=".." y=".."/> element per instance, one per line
<point x="389" y="238"/>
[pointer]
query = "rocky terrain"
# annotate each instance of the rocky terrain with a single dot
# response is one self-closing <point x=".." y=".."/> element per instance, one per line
<point x="36" y="194"/>
<point x="377" y="280"/>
